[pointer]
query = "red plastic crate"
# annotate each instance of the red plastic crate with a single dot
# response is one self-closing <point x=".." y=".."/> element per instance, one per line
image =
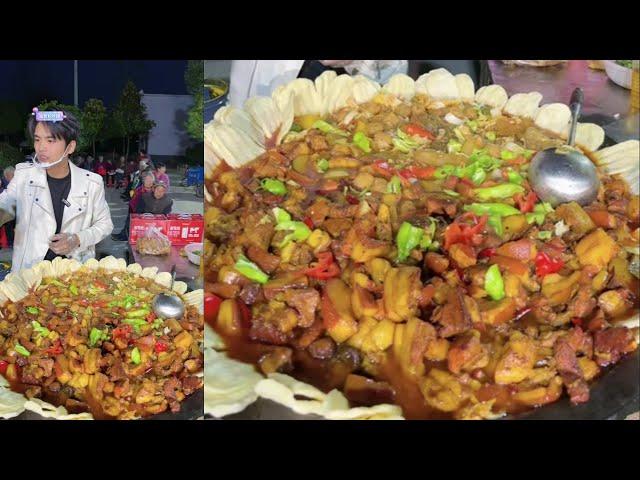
<point x="141" y="221"/>
<point x="185" y="228"/>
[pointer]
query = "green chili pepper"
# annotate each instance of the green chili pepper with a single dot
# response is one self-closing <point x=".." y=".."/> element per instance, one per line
<point x="497" y="209"/>
<point x="328" y="128"/>
<point x="281" y="215"/>
<point x="251" y="270"/>
<point x="514" y="177"/>
<point x="274" y="186"/>
<point x="491" y="136"/>
<point x="493" y="283"/>
<point x="88" y="311"/>
<point x="451" y="193"/>
<point x="495" y="221"/>
<point x="295" y="128"/>
<point x="21" y="350"/>
<point x="363" y="142"/>
<point x="505" y="190"/>
<point x="407" y="239"/>
<point x="57" y="283"/>
<point x="454" y="146"/>
<point x="322" y="165"/>
<point x="507" y="155"/>
<point x="527" y="154"/>
<point x="141" y="312"/>
<point x="539" y="213"/>
<point x="96" y="336"/>
<point x="135" y="356"/>
<point x="157" y="323"/>
<point x="473" y="125"/>
<point x="136" y="323"/>
<point x="544" y="235"/>
<point x="73" y="289"/>
<point x="42" y="331"/>
<point x="478" y="176"/>
<point x="427" y="237"/>
<point x="394" y="185"/>
<point x="32" y="310"/>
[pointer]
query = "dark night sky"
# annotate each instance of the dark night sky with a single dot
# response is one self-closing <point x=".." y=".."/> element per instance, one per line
<point x="35" y="80"/>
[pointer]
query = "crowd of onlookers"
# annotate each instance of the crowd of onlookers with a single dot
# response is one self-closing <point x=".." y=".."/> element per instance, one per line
<point x="144" y="184"/>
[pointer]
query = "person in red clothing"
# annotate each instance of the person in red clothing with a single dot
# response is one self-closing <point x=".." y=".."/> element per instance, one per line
<point x="100" y="168"/>
<point x="147" y="186"/>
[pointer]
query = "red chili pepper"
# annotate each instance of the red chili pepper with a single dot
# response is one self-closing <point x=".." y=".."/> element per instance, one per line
<point x="526" y="203"/>
<point x="486" y="253"/>
<point x="352" y="200"/>
<point x="421" y="173"/>
<point x="3" y="366"/>
<point x="211" y="306"/>
<point x="151" y="317"/>
<point x="325" y="268"/>
<point x="161" y="347"/>
<point x="55" y="349"/>
<point x="308" y="222"/>
<point x="99" y="303"/>
<point x="383" y="168"/>
<point x="123" y="331"/>
<point x="415" y="129"/>
<point x="100" y="284"/>
<point x="545" y="264"/>
<point x="84" y="302"/>
<point x="577" y="321"/>
<point x="463" y="233"/>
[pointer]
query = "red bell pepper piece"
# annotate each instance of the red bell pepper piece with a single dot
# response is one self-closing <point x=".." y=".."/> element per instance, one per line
<point x="122" y="331"/>
<point x="308" y="222"/>
<point x="415" y="129"/>
<point x="421" y="173"/>
<point x="382" y="168"/>
<point x="55" y="349"/>
<point x="161" y="347"/>
<point x="486" y="253"/>
<point x="464" y="233"/>
<point x="211" y="306"/>
<point x="352" y="200"/>
<point x="545" y="264"/>
<point x="526" y="203"/>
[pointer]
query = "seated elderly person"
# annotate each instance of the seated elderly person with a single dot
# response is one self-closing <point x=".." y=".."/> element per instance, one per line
<point x="157" y="201"/>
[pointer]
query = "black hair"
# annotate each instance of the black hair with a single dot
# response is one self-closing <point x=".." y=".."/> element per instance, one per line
<point x="67" y="130"/>
<point x="144" y="152"/>
<point x="159" y="165"/>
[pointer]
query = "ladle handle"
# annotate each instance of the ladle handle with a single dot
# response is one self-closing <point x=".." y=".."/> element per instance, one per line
<point x="577" y="98"/>
<point x="173" y="276"/>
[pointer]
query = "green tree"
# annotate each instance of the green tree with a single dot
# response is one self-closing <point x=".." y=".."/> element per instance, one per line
<point x="93" y="118"/>
<point x="83" y="142"/>
<point x="194" y="80"/>
<point x="9" y="155"/>
<point x="130" y="115"/>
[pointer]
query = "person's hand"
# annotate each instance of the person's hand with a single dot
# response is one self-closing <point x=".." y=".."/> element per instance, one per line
<point x="64" y="243"/>
<point x="336" y="63"/>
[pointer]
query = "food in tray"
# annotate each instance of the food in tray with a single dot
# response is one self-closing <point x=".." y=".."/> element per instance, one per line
<point x="83" y="342"/>
<point x="154" y="242"/>
<point x="380" y="248"/>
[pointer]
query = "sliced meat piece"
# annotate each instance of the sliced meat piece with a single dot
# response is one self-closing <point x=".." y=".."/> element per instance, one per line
<point x="322" y="349"/>
<point x="611" y="344"/>
<point x="306" y="302"/>
<point x="453" y="316"/>
<point x="266" y="261"/>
